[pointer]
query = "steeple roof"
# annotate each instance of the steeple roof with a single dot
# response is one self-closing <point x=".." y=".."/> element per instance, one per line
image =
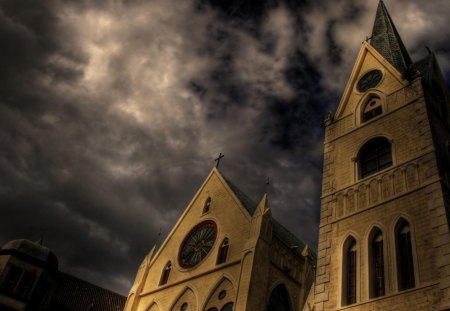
<point x="387" y="41"/>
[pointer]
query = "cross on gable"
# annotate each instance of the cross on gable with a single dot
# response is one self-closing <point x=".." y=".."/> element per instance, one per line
<point x="218" y="159"/>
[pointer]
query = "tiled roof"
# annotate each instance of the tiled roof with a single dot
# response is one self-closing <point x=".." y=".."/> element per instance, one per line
<point x="73" y="294"/>
<point x="387" y="41"/>
<point x="248" y="203"/>
<point x="279" y="231"/>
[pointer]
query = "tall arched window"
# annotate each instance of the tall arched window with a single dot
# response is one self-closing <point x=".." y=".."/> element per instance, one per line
<point x="376" y="264"/>
<point x="279" y="299"/>
<point x="207" y="205"/>
<point x="165" y="274"/>
<point x="374" y="156"/>
<point x="372" y="108"/>
<point x="223" y="251"/>
<point x="405" y="262"/>
<point x="349" y="271"/>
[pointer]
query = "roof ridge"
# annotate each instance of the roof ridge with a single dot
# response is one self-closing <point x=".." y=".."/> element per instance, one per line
<point x="246" y="201"/>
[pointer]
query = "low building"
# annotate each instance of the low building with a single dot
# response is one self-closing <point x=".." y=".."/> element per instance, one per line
<point x="30" y="280"/>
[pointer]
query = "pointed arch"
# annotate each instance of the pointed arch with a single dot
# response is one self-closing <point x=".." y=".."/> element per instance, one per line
<point x="350" y="270"/>
<point x="371" y="105"/>
<point x="222" y="293"/>
<point x="207" y="205"/>
<point x="404" y="254"/>
<point x="222" y="254"/>
<point x="376" y="262"/>
<point x="279" y="299"/>
<point x="186" y="300"/>
<point x="165" y="273"/>
<point x="153" y="306"/>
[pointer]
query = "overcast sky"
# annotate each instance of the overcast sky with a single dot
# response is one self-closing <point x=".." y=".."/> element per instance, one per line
<point x="112" y="112"/>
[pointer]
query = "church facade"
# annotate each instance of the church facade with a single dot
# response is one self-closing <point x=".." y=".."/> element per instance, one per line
<point x="224" y="253"/>
<point x="384" y="239"/>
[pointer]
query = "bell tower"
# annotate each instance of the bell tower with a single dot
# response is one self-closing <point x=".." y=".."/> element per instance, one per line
<point x="384" y="240"/>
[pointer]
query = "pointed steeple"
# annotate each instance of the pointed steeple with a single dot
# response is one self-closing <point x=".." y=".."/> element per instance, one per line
<point x="387" y="41"/>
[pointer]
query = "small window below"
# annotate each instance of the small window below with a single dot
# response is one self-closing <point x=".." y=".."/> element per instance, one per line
<point x="184" y="306"/>
<point x="165" y="274"/>
<point x="207" y="205"/>
<point x="372" y="109"/>
<point x="223" y="252"/>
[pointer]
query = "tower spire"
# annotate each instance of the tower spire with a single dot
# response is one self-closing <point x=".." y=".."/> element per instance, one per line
<point x="387" y="41"/>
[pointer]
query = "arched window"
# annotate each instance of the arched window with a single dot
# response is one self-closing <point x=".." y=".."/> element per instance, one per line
<point x="165" y="274"/>
<point x="207" y="205"/>
<point x="279" y="299"/>
<point x="223" y="251"/>
<point x="405" y="262"/>
<point x="374" y="156"/>
<point x="376" y="264"/>
<point x="349" y="271"/>
<point x="372" y="108"/>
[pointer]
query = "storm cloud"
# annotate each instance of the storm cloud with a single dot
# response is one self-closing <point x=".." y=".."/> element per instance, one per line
<point x="112" y="113"/>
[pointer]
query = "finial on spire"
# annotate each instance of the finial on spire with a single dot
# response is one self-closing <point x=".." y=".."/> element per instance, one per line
<point x="387" y="41"/>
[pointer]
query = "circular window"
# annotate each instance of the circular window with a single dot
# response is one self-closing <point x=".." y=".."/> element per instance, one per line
<point x="197" y="244"/>
<point x="184" y="306"/>
<point x="222" y="294"/>
<point x="369" y="80"/>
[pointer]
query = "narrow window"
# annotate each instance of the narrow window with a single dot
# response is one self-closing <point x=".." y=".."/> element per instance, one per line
<point x="25" y="285"/>
<point x="405" y="265"/>
<point x="375" y="156"/>
<point x="12" y="278"/>
<point x="207" y="205"/>
<point x="349" y="272"/>
<point x="372" y="109"/>
<point x="223" y="251"/>
<point x="165" y="273"/>
<point x="377" y="283"/>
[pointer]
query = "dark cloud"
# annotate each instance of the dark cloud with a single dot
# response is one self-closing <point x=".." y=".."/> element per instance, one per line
<point x="111" y="113"/>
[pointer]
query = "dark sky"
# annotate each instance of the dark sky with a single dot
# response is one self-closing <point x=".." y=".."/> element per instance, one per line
<point x="112" y="112"/>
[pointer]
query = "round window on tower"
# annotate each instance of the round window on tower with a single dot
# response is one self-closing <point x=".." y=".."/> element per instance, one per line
<point x="369" y="80"/>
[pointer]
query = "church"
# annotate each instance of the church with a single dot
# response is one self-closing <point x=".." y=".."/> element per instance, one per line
<point x="384" y="240"/>
<point x="224" y="253"/>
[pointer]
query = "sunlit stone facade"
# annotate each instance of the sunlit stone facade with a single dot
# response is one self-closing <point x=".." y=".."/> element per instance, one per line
<point x="384" y="239"/>
<point x="249" y="261"/>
